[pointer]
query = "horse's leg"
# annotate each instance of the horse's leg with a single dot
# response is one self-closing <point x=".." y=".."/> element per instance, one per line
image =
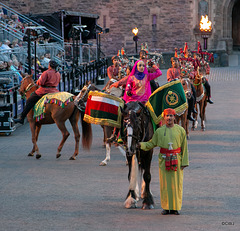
<point x="107" y="132"/>
<point x="107" y="158"/>
<point x="195" y="115"/>
<point x="187" y="128"/>
<point x="65" y="135"/>
<point x="32" y="125"/>
<point x="131" y="200"/>
<point x="147" y="199"/>
<point x="104" y="137"/>
<point x="74" y="122"/>
<point x="203" y="114"/>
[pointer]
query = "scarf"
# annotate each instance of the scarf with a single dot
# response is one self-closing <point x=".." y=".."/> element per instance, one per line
<point x="138" y="75"/>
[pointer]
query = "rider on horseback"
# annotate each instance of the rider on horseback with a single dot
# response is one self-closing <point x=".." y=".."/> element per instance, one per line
<point x="48" y="83"/>
<point x="138" y="86"/>
<point x="176" y="73"/>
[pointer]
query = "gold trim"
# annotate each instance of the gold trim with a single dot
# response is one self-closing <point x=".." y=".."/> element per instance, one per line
<point x="106" y="122"/>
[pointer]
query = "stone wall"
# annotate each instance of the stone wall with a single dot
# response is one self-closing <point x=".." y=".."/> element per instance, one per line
<point x="175" y="20"/>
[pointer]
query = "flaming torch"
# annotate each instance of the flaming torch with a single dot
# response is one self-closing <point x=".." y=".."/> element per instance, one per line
<point x="135" y="37"/>
<point x="206" y="29"/>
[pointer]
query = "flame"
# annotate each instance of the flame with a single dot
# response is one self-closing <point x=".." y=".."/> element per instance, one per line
<point x="205" y="25"/>
<point x="135" y="31"/>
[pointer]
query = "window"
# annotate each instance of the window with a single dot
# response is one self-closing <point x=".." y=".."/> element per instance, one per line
<point x="104" y="21"/>
<point x="154" y="22"/>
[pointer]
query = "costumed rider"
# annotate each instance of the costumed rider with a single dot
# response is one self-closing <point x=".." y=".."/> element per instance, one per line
<point x="48" y="83"/>
<point x="138" y="86"/>
<point x="113" y="72"/>
<point x="174" y="73"/>
<point x="200" y="62"/>
<point x="173" y="158"/>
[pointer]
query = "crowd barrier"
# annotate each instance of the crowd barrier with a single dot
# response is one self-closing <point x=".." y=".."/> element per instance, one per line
<point x="72" y="80"/>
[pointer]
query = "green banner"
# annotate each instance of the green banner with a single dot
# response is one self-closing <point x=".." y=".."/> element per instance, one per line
<point x="170" y="95"/>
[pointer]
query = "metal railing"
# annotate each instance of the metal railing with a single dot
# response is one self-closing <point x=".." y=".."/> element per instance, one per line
<point x="25" y="19"/>
<point x="71" y="81"/>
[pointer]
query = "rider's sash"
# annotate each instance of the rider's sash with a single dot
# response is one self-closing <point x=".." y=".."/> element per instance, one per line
<point x="170" y="95"/>
<point x="103" y="109"/>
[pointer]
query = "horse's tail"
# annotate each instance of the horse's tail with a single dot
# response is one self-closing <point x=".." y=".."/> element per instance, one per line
<point x="86" y="132"/>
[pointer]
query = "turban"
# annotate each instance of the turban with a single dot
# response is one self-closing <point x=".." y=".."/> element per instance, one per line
<point x="169" y="111"/>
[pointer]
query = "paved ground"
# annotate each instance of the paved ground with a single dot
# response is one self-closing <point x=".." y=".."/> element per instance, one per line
<point x="50" y="194"/>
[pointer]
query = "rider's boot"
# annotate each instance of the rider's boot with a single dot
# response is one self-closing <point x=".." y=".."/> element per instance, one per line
<point x="20" y="120"/>
<point x="208" y="89"/>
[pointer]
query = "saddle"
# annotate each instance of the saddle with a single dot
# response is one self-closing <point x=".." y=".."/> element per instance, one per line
<point x="59" y="98"/>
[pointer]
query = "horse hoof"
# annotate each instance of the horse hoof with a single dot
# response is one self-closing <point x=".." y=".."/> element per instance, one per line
<point x="72" y="158"/>
<point x="102" y="164"/>
<point x="203" y="129"/>
<point x="188" y="137"/>
<point x="147" y="207"/>
<point x="38" y="156"/>
<point x="30" y="154"/>
<point x="58" y="155"/>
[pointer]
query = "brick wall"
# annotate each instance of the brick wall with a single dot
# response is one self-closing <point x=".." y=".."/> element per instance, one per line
<point x="176" y="20"/>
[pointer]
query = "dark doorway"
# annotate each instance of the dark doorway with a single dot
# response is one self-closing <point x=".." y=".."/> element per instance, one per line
<point x="236" y="26"/>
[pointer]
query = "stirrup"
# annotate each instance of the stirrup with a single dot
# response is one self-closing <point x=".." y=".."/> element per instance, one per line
<point x="112" y="138"/>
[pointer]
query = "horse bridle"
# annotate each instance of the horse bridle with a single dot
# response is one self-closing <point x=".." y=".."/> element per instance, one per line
<point x="28" y="88"/>
<point x="80" y="102"/>
<point x="138" y="137"/>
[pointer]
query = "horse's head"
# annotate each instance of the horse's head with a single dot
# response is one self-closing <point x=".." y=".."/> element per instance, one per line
<point x="132" y="123"/>
<point x="26" y="85"/>
<point x="83" y="94"/>
<point x="187" y="87"/>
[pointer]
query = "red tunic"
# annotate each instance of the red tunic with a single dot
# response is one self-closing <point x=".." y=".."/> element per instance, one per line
<point x="48" y="82"/>
<point x="173" y="73"/>
<point x="113" y="72"/>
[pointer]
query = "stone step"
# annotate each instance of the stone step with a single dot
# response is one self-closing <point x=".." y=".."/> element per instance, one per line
<point x="234" y="59"/>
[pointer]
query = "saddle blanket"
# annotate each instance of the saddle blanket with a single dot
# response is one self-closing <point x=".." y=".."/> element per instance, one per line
<point x="59" y="98"/>
<point x="169" y="95"/>
<point x="103" y="109"/>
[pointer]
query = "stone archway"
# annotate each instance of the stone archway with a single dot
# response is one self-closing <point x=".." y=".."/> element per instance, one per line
<point x="236" y="26"/>
<point x="227" y="34"/>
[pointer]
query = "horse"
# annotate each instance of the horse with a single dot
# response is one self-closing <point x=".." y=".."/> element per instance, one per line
<point x="107" y="130"/>
<point x="183" y="117"/>
<point x="137" y="127"/>
<point x="58" y="115"/>
<point x="201" y="100"/>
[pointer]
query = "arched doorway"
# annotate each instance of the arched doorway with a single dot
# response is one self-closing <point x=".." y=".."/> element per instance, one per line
<point x="236" y="26"/>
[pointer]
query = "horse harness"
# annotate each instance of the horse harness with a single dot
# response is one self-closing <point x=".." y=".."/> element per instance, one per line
<point x="137" y="137"/>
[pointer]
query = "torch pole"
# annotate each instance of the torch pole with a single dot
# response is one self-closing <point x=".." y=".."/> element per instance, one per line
<point x="136" y="46"/>
<point x="205" y="43"/>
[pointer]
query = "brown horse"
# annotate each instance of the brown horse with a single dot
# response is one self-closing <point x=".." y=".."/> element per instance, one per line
<point x="201" y="100"/>
<point x="183" y="117"/>
<point x="107" y="130"/>
<point x="58" y="115"/>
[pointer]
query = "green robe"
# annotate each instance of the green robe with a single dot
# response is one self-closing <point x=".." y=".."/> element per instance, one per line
<point x="171" y="182"/>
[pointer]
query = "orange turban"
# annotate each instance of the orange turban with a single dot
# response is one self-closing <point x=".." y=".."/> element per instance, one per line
<point x="169" y="111"/>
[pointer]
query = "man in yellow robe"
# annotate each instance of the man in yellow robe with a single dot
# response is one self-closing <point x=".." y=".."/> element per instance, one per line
<point x="173" y="158"/>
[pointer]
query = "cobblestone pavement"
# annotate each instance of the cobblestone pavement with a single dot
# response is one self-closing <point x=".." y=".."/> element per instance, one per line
<point x="58" y="194"/>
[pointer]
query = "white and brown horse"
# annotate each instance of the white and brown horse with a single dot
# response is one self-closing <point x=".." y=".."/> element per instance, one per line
<point x="107" y="130"/>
